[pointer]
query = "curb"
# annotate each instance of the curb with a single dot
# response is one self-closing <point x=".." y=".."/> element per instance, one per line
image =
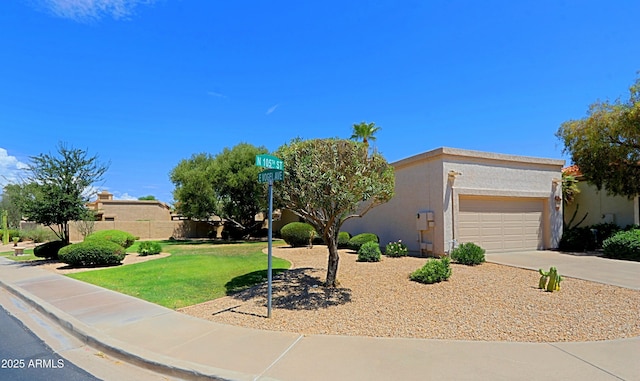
<point x="138" y="357"/>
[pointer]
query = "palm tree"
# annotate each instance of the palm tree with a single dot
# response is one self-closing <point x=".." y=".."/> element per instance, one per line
<point x="365" y="131"/>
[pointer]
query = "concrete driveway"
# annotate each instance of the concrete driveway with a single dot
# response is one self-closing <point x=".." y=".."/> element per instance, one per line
<point x="575" y="265"/>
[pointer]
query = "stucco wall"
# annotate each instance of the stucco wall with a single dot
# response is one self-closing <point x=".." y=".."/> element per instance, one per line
<point x="136" y="210"/>
<point x="600" y="207"/>
<point x="423" y="184"/>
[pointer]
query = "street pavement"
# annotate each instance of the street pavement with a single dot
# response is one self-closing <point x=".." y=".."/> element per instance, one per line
<point x="188" y="348"/>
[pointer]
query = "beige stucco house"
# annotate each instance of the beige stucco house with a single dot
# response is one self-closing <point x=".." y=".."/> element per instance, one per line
<point x="108" y="209"/>
<point x="500" y="202"/>
<point x="599" y="206"/>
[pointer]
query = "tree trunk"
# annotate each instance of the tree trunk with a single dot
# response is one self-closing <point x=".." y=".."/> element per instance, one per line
<point x="332" y="265"/>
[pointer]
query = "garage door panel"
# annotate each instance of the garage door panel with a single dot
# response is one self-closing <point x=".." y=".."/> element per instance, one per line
<point x="501" y="224"/>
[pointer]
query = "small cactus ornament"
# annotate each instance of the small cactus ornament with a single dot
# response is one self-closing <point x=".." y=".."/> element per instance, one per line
<point x="550" y="280"/>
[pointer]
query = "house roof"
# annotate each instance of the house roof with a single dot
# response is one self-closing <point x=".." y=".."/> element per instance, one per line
<point x="572" y="170"/>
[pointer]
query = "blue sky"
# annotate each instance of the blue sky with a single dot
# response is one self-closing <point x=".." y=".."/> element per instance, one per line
<point x="145" y="84"/>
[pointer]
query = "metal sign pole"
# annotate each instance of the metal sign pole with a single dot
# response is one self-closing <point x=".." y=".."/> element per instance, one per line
<point x="269" y="277"/>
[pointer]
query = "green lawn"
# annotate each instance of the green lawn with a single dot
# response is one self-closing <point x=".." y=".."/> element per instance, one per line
<point x="27" y="257"/>
<point x="194" y="273"/>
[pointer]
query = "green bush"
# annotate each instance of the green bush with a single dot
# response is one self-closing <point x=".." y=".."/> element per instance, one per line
<point x="149" y="248"/>
<point x="369" y="252"/>
<point x="38" y="235"/>
<point x="468" y="254"/>
<point x="358" y="240"/>
<point x="435" y="270"/>
<point x="120" y="237"/>
<point x="623" y="245"/>
<point x="95" y="252"/>
<point x="296" y="234"/>
<point x="343" y="240"/>
<point x="578" y="240"/>
<point x="12" y="233"/>
<point x="396" y="249"/>
<point x="48" y="250"/>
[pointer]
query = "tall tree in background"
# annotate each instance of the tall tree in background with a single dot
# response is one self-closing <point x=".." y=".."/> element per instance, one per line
<point x="225" y="185"/>
<point x="328" y="181"/>
<point x="56" y="188"/>
<point x="9" y="202"/>
<point x="365" y="131"/>
<point x="606" y="144"/>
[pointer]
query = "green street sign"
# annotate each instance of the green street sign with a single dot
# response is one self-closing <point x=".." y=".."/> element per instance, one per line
<point x="270" y="175"/>
<point x="270" y="162"/>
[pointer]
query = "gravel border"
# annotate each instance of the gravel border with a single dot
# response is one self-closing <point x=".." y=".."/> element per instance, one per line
<point x="488" y="302"/>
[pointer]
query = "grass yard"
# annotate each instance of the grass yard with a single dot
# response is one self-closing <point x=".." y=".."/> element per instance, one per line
<point x="194" y="273"/>
<point x="28" y="256"/>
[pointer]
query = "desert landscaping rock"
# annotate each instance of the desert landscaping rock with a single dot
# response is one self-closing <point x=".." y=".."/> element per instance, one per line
<point x="489" y="302"/>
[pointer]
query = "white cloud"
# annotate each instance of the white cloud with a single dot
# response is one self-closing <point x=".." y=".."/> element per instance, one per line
<point x="123" y="196"/>
<point x="215" y="94"/>
<point x="272" y="109"/>
<point x="86" y="10"/>
<point x="11" y="169"/>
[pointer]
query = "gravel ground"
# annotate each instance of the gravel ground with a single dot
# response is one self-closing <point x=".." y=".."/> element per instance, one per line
<point x="489" y="302"/>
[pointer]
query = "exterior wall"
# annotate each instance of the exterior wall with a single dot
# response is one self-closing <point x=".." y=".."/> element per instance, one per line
<point x="135" y="210"/>
<point x="151" y="229"/>
<point x="417" y="188"/>
<point x="423" y="184"/>
<point x="601" y="207"/>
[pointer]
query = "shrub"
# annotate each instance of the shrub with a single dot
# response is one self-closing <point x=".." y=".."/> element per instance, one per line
<point x="38" y="235"/>
<point x="468" y="254"/>
<point x="358" y="240"/>
<point x="120" y="237"/>
<point x="435" y="270"/>
<point x="369" y="252"/>
<point x="149" y="248"/>
<point x="94" y="252"/>
<point x="396" y="249"/>
<point x="604" y="231"/>
<point x="577" y="239"/>
<point x="48" y="250"/>
<point x="12" y="233"/>
<point x="343" y="240"/>
<point x="623" y="245"/>
<point x="296" y="234"/>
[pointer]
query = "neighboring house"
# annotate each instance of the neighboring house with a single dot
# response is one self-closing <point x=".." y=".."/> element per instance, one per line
<point x="598" y="205"/>
<point x="500" y="202"/>
<point x="108" y="209"/>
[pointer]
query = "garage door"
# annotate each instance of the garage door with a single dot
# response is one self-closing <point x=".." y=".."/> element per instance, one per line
<point x="501" y="224"/>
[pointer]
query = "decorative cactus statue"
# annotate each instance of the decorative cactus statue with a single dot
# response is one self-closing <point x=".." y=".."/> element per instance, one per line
<point x="550" y="280"/>
<point x="543" y="279"/>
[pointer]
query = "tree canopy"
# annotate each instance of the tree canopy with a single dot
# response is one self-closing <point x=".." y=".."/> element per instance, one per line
<point x="365" y="131"/>
<point x="328" y="181"/>
<point x="606" y="144"/>
<point x="57" y="188"/>
<point x="225" y="185"/>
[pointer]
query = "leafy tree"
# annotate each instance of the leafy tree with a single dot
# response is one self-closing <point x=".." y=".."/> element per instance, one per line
<point x="147" y="198"/>
<point x="225" y="185"/>
<point x="56" y="188"/>
<point x="569" y="188"/>
<point x="328" y="181"/>
<point x="606" y="144"/>
<point x="365" y="131"/>
<point x="9" y="203"/>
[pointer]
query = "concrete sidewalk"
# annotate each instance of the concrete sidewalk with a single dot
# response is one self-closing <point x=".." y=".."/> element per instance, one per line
<point x="185" y="347"/>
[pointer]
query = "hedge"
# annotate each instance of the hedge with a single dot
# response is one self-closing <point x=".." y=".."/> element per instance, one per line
<point x="120" y="237"/>
<point x="95" y="252"/>
<point x="296" y="234"/>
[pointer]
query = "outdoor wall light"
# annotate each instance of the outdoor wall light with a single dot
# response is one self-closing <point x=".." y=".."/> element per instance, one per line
<point x="453" y="174"/>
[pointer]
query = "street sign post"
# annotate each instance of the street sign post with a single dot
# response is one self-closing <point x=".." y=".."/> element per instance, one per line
<point x="270" y="162"/>
<point x="270" y="175"/>
<point x="274" y="172"/>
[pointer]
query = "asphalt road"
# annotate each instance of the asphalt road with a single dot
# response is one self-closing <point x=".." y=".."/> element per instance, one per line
<point x="23" y="356"/>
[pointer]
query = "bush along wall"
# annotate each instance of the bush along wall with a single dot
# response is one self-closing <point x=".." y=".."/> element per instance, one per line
<point x="468" y="254"/>
<point x="623" y="245"/>
<point x="358" y="240"/>
<point x="120" y="237"/>
<point x="297" y="234"/>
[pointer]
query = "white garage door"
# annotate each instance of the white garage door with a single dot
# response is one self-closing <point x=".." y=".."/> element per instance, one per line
<point x="501" y="223"/>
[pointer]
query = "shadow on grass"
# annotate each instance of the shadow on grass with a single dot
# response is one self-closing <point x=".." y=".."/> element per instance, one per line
<point x="294" y="290"/>
<point x="242" y="282"/>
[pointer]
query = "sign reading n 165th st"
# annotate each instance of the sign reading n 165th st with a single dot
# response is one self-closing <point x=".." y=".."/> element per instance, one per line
<point x="269" y="161"/>
<point x="270" y="175"/>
